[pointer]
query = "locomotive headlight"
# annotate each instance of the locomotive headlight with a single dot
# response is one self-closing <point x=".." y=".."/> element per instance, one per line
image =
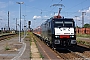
<point x="72" y="36"/>
<point x="56" y="36"/>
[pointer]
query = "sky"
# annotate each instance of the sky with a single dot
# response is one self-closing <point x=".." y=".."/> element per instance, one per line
<point x="38" y="11"/>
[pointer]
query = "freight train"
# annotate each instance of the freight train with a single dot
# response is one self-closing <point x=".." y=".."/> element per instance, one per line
<point x="57" y="32"/>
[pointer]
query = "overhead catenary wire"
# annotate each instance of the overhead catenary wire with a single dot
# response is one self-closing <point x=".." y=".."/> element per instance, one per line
<point x="73" y="7"/>
<point x="46" y="11"/>
<point x="54" y="7"/>
<point x="76" y="5"/>
<point x="81" y="10"/>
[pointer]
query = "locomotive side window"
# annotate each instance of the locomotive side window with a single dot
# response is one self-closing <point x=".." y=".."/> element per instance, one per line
<point x="45" y="25"/>
<point x="49" y="24"/>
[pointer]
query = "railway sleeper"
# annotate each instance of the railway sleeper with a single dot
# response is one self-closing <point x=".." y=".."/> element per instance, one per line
<point x="79" y="55"/>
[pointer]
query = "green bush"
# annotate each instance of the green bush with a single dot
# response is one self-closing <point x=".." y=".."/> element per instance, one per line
<point x="7" y="48"/>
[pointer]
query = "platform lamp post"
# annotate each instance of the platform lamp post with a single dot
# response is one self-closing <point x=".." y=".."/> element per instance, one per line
<point x="24" y="26"/>
<point x="76" y="21"/>
<point x="20" y="20"/>
<point x="83" y="13"/>
<point x="16" y="24"/>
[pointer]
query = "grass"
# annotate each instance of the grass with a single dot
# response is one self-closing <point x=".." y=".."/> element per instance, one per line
<point x="30" y="55"/>
<point x="83" y="35"/>
<point x="7" y="48"/>
<point x="8" y="38"/>
<point x="31" y="37"/>
<point x="41" y="56"/>
<point x="83" y="42"/>
<point x="34" y="40"/>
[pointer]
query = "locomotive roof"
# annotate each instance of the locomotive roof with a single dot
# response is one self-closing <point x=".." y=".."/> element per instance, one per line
<point x="62" y="19"/>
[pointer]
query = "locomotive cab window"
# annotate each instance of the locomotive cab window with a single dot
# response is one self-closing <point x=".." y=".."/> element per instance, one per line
<point x="58" y="23"/>
<point x="63" y="23"/>
<point x="68" y="24"/>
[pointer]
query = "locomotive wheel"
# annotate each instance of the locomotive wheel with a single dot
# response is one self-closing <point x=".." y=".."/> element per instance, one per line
<point x="48" y="43"/>
<point x="52" y="46"/>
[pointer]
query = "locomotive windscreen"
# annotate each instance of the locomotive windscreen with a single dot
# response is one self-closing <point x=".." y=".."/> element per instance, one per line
<point x="63" y="23"/>
<point x="68" y="24"/>
<point x="58" y="23"/>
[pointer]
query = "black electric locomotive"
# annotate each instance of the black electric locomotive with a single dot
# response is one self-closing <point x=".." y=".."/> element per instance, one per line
<point x="59" y="32"/>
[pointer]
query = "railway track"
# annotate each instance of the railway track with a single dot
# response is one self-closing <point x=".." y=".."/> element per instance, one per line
<point x="83" y="42"/>
<point x="70" y="54"/>
<point x="87" y="46"/>
<point x="5" y="36"/>
<point x="46" y="52"/>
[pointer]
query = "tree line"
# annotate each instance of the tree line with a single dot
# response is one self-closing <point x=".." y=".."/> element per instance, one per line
<point x="85" y="26"/>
